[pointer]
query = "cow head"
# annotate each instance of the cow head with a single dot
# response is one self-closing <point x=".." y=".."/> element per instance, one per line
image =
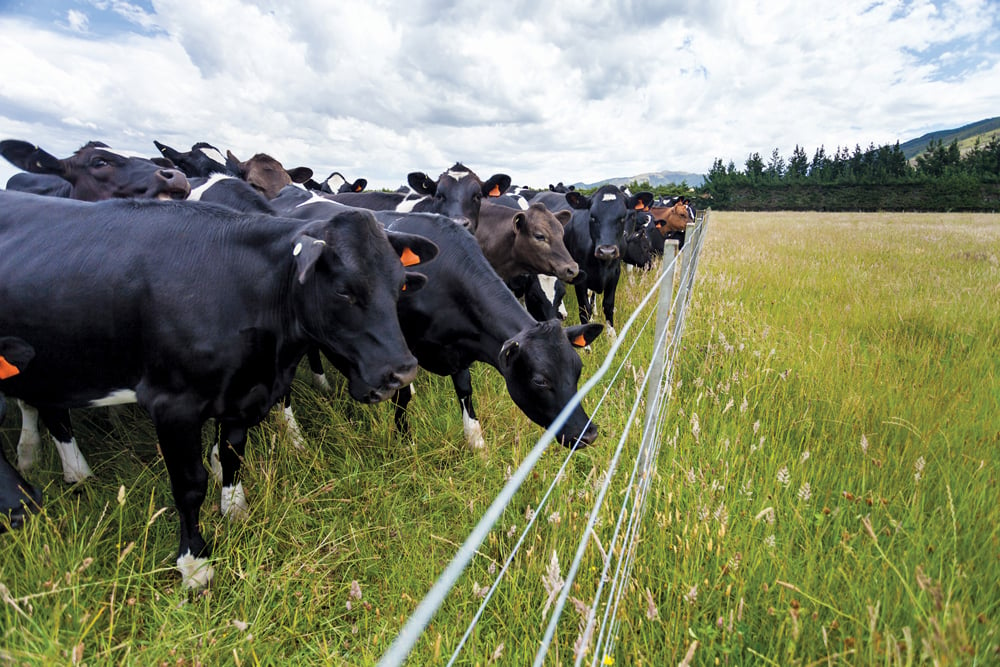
<point x="16" y="495"/>
<point x="542" y="370"/>
<point x="349" y="274"/>
<point x="637" y="249"/>
<point x="458" y="192"/>
<point x="98" y="172"/>
<point x="538" y="237"/>
<point x="608" y="209"/>
<point x="201" y="161"/>
<point x="335" y="183"/>
<point x="266" y="174"/>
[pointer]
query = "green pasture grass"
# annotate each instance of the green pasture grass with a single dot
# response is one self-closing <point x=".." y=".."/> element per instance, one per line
<point x="826" y="491"/>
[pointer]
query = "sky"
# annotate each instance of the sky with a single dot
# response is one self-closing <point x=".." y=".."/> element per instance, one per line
<point x="542" y="90"/>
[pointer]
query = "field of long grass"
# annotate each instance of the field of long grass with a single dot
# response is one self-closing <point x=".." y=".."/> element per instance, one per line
<point x="826" y="491"/>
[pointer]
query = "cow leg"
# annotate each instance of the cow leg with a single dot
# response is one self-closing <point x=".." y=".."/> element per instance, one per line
<point x="463" y="389"/>
<point x="292" y="429"/>
<point x="319" y="373"/>
<point x="30" y="439"/>
<point x="399" y="402"/>
<point x="608" y="305"/>
<point x="232" y="443"/>
<point x="583" y="300"/>
<point x="180" y="445"/>
<point x="74" y="465"/>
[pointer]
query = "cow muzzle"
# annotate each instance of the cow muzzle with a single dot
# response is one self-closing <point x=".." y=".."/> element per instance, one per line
<point x="391" y="383"/>
<point x="172" y="184"/>
<point x="606" y="253"/>
<point x="581" y="440"/>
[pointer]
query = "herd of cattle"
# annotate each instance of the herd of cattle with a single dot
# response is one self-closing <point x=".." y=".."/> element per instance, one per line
<point x="194" y="283"/>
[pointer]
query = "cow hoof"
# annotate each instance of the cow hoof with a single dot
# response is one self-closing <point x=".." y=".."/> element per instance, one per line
<point x="196" y="573"/>
<point x="292" y="430"/>
<point x="75" y="466"/>
<point x="215" y="464"/>
<point x="321" y="384"/>
<point x="612" y="335"/>
<point x="233" y="503"/>
<point x="474" y="434"/>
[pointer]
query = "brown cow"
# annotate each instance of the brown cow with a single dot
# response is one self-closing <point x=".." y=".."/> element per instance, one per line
<point x="669" y="221"/>
<point x="266" y="174"/>
<point x="517" y="242"/>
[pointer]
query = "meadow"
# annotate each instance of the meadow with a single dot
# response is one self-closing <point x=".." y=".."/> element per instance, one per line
<point x="825" y="493"/>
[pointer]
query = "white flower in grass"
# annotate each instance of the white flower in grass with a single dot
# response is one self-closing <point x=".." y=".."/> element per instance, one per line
<point x="692" y="595"/>
<point x="770" y="541"/>
<point x="746" y="490"/>
<point x="552" y="581"/>
<point x="721" y="514"/>
<point x="513" y="530"/>
<point x="554" y="517"/>
<point x="702" y="513"/>
<point x="918" y="466"/>
<point x="783" y="477"/>
<point x="805" y="493"/>
<point x="744" y="405"/>
<point x="756" y="427"/>
<point x="529" y="514"/>
<point x="864" y="444"/>
<point x="804" y="457"/>
<point x="479" y="591"/>
<point x="695" y="425"/>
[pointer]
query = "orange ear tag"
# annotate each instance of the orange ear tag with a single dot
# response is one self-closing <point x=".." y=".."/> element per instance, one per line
<point x="404" y="287"/>
<point x="7" y="369"/>
<point x="408" y="257"/>
<point x="495" y="192"/>
<point x="640" y="206"/>
<point x="580" y="341"/>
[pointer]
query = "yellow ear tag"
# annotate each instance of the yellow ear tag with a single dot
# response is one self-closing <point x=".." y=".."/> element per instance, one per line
<point x="7" y="369"/>
<point x="495" y="192"/>
<point x="408" y="257"/>
<point x="580" y="341"/>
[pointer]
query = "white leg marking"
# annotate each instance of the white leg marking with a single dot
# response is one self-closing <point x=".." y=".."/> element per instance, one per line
<point x="195" y="572"/>
<point x="473" y="431"/>
<point x="233" y="503"/>
<point x="74" y="465"/>
<point x="215" y="463"/>
<point x="30" y="440"/>
<point x="612" y="335"/>
<point x="292" y="429"/>
<point x="320" y="383"/>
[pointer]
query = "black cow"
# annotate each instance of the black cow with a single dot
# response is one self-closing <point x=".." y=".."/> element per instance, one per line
<point x="96" y="172"/>
<point x="201" y="161"/>
<point x="637" y="249"/>
<point x="17" y="497"/>
<point x="196" y="312"/>
<point x="467" y="314"/>
<point x="457" y="194"/>
<point x="595" y="236"/>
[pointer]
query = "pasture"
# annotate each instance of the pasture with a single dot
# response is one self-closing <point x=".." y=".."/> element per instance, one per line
<point x="826" y="492"/>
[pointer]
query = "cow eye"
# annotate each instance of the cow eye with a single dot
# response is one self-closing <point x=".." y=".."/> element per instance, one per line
<point x="98" y="162"/>
<point x="540" y="237"/>
<point x="540" y="382"/>
<point x="349" y="298"/>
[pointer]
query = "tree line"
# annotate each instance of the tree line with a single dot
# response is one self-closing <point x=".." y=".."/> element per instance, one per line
<point x="876" y="178"/>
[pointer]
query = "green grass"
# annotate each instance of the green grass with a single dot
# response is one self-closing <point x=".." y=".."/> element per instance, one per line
<point x="830" y="350"/>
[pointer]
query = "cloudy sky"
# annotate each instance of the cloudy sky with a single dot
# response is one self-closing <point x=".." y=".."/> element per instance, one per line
<point x="544" y="90"/>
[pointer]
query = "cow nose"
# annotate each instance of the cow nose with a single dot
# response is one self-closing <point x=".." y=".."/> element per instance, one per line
<point x="606" y="252"/>
<point x="402" y="376"/>
<point x="571" y="272"/>
<point x="174" y="180"/>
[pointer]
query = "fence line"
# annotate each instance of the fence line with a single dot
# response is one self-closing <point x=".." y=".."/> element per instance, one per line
<point x="660" y="370"/>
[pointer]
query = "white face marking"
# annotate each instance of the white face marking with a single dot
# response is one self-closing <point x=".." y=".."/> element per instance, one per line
<point x="201" y="189"/>
<point x="117" y="397"/>
<point x="609" y="197"/>
<point x="126" y="154"/>
<point x="213" y="155"/>
<point x="458" y="175"/>
<point x="335" y="181"/>
<point x="406" y="206"/>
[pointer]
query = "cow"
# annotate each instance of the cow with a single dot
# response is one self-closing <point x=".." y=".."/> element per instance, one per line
<point x="595" y="236"/>
<point x="335" y="183"/>
<point x="17" y="497"/>
<point x="670" y="221"/>
<point x="201" y="161"/>
<point x="266" y="174"/>
<point x="467" y="314"/>
<point x="517" y="242"/>
<point x="197" y="312"/>
<point x="457" y="193"/>
<point x="96" y="172"/>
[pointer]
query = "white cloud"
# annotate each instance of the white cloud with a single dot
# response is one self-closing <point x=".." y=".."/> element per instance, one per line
<point x="542" y="91"/>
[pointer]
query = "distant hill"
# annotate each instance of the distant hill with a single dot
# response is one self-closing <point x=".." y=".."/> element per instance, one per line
<point x="655" y="178"/>
<point x="965" y="135"/>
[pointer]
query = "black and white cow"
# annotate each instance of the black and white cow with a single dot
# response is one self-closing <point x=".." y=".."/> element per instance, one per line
<point x="467" y="314"/>
<point x="457" y="194"/>
<point x="201" y="161"/>
<point x="336" y="182"/>
<point x="196" y="312"/>
<point x="94" y="172"/>
<point x="595" y="236"/>
<point x="17" y="497"/>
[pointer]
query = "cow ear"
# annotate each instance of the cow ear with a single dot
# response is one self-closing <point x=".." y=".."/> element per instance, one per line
<point x="563" y="216"/>
<point x="307" y="251"/>
<point x="421" y="184"/>
<point x="508" y="354"/>
<point x="641" y="201"/>
<point x="30" y="158"/>
<point x="577" y="200"/>
<point x="233" y="164"/>
<point x="496" y="186"/>
<point x="14" y="356"/>
<point x="164" y="162"/>
<point x="359" y="185"/>
<point x="167" y="151"/>
<point x="414" y="281"/>
<point x="582" y="335"/>
<point x="412" y="249"/>
<point x="300" y="174"/>
<point x="519" y="221"/>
